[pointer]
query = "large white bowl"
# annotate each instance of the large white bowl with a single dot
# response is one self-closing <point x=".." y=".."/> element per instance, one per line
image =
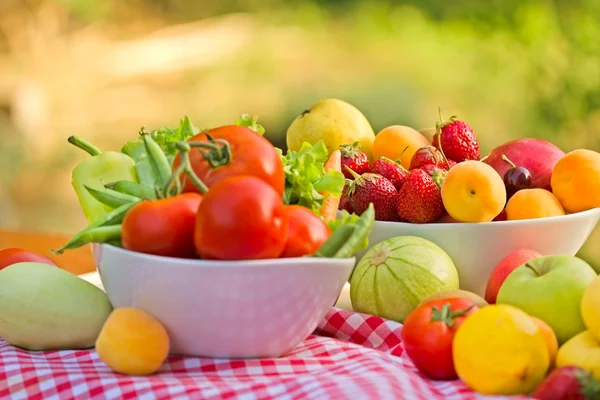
<point x="476" y="248"/>
<point x="229" y="309"/>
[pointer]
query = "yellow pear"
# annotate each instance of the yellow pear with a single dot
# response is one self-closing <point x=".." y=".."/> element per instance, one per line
<point x="582" y="350"/>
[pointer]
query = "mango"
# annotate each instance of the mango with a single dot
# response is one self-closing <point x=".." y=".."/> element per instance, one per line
<point x="46" y="308"/>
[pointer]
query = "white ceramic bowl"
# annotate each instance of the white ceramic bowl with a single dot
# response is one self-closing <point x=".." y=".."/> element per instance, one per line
<point x="476" y="248"/>
<point x="228" y="309"/>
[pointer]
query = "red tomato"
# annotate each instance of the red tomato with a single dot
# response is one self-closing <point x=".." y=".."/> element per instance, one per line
<point x="14" y="255"/>
<point x="252" y="155"/>
<point x="307" y="232"/>
<point x="163" y="227"/>
<point x="241" y="218"/>
<point x="428" y="332"/>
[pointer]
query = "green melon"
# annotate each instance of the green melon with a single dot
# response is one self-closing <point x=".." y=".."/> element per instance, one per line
<point x="395" y="275"/>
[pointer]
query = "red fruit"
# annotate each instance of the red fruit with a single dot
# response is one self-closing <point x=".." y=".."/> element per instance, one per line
<point x="420" y="199"/>
<point x="354" y="159"/>
<point x="456" y="140"/>
<point x="502" y="270"/>
<point x="391" y="170"/>
<point x="568" y="383"/>
<point x="451" y="164"/>
<point x="345" y="203"/>
<point x="372" y="188"/>
<point x="501" y="216"/>
<point x="427" y="155"/>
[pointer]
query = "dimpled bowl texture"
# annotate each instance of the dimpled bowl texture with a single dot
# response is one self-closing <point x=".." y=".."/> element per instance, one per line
<point x="476" y="248"/>
<point x="225" y="309"/>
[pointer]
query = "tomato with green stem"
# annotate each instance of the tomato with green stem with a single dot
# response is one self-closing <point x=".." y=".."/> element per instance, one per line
<point x="428" y="332"/>
<point x="307" y="232"/>
<point x="241" y="218"/>
<point x="14" y="255"/>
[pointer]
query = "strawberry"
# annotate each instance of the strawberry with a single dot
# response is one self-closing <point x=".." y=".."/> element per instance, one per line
<point x="456" y="140"/>
<point x="372" y="188"/>
<point x="389" y="169"/>
<point x="345" y="201"/>
<point x="420" y="199"/>
<point x="568" y="383"/>
<point x="427" y="155"/>
<point x="354" y="159"/>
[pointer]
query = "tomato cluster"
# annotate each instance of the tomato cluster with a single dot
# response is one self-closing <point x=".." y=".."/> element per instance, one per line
<point x="231" y="209"/>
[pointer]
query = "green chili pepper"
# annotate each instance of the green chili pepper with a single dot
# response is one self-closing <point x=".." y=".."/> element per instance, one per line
<point x="335" y="241"/>
<point x="362" y="229"/>
<point x="110" y="197"/>
<point x="132" y="189"/>
<point x="94" y="172"/>
<point x="100" y="234"/>
<point x="158" y="160"/>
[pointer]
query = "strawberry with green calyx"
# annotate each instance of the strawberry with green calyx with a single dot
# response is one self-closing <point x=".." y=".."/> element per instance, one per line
<point x="456" y="140"/>
<point x="428" y="155"/>
<point x="373" y="188"/>
<point x="389" y="169"/>
<point x="568" y="383"/>
<point x="354" y="159"/>
<point x="420" y="199"/>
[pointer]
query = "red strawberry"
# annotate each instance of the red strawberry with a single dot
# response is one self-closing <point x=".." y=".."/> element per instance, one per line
<point x="354" y="159"/>
<point x="451" y="164"/>
<point x="456" y="140"/>
<point x="389" y="169"/>
<point x="372" y="188"/>
<point x="420" y="199"/>
<point x="427" y="155"/>
<point x="568" y="383"/>
<point x="345" y="201"/>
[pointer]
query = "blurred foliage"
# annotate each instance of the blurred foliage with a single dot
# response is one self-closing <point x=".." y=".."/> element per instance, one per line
<point x="511" y="68"/>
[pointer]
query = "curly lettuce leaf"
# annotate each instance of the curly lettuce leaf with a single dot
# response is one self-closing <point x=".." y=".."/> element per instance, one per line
<point x="250" y="122"/>
<point x="306" y="179"/>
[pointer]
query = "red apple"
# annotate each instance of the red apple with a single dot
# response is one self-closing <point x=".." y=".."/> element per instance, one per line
<point x="537" y="155"/>
<point x="12" y="256"/>
<point x="507" y="265"/>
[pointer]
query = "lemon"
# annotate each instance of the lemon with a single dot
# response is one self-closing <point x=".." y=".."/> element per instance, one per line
<point x="500" y="350"/>
<point x="333" y="121"/>
<point x="582" y="350"/>
<point x="590" y="307"/>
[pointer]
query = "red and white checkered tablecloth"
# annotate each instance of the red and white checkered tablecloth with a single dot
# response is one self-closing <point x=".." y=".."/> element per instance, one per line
<point x="350" y="356"/>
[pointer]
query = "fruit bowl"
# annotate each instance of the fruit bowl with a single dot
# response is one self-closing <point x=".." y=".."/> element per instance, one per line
<point x="225" y="309"/>
<point x="476" y="248"/>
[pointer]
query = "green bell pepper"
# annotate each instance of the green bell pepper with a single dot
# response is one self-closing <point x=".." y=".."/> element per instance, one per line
<point x="95" y="172"/>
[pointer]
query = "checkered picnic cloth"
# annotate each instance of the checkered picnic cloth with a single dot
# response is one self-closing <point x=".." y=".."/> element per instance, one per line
<point x="349" y="356"/>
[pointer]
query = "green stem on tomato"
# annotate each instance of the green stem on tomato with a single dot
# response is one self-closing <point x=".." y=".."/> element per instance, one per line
<point x="184" y="149"/>
<point x="219" y="151"/>
<point x="84" y="145"/>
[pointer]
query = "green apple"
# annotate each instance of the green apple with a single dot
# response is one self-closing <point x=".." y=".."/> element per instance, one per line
<point x="550" y="288"/>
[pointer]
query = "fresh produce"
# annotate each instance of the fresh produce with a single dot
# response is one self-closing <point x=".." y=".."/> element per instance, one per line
<point x="350" y="235"/>
<point x="576" y="180"/>
<point x="307" y="232"/>
<point x="516" y="178"/>
<point x="334" y="121"/>
<point x="533" y="203"/>
<point x="499" y="350"/>
<point x="46" y="308"/>
<point x="241" y="218"/>
<point x="551" y="289"/>
<point x="462" y="294"/>
<point x="132" y="342"/>
<point x="428" y="332"/>
<point x="568" y="383"/>
<point x="390" y="170"/>
<point x="345" y="204"/>
<point x="331" y="202"/>
<point x="372" y="188"/>
<point x="456" y="139"/>
<point x="501" y="216"/>
<point x="395" y="275"/>
<point x="420" y="199"/>
<point x="14" y="255"/>
<point x="590" y="307"/>
<point x="428" y="133"/>
<point x="550" y="337"/>
<point x="354" y="159"/>
<point x="428" y="155"/>
<point x="535" y="155"/>
<point x="507" y="265"/>
<point x="398" y="142"/>
<point x="582" y="350"/>
<point x="473" y="192"/>
<point x="163" y="227"/>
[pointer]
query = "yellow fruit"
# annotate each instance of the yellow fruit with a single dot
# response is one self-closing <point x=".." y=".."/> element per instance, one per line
<point x="500" y="350"/>
<point x="533" y="203"/>
<point x="576" y="180"/>
<point x="428" y="133"/>
<point x="463" y="294"/>
<point x="582" y="350"/>
<point x="590" y="308"/>
<point x="132" y="342"/>
<point x="550" y="336"/>
<point x="333" y="121"/>
<point x="473" y="192"/>
<point x="396" y="140"/>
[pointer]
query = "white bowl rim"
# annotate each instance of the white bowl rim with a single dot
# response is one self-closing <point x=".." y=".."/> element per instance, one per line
<point x="196" y="263"/>
<point x="593" y="211"/>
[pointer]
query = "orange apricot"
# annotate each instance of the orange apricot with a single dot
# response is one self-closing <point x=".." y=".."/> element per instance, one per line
<point x="575" y="180"/>
<point x="533" y="203"/>
<point x="396" y="140"/>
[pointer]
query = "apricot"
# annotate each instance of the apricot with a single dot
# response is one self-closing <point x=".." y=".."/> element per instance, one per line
<point x="132" y="342"/>
<point x="396" y="140"/>
<point x="575" y="180"/>
<point x="473" y="192"/>
<point x="533" y="203"/>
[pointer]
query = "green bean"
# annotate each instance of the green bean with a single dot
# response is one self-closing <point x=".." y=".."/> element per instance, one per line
<point x="335" y="241"/>
<point x="362" y="229"/>
<point x="110" y="197"/>
<point x="133" y="189"/>
<point x="158" y="160"/>
<point x="101" y="234"/>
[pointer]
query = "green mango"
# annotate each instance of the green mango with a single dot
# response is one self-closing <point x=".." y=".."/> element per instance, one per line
<point x="46" y="308"/>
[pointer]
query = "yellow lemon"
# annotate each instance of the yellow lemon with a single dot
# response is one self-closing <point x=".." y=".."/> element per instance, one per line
<point x="473" y="192"/>
<point x="582" y="350"/>
<point x="500" y="350"/>
<point x="590" y="308"/>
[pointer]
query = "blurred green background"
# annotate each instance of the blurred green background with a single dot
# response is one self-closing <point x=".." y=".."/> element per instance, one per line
<point x="102" y="69"/>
